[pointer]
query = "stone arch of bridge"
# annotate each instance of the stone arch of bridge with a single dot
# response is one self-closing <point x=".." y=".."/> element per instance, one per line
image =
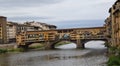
<point x="52" y="45"/>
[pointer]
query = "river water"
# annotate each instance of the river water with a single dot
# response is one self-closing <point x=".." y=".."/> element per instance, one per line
<point x="67" y="56"/>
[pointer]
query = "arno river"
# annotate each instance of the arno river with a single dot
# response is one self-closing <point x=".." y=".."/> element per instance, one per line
<point x="67" y="56"/>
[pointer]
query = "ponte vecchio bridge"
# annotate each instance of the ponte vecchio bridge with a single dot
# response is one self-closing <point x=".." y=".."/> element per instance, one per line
<point x="79" y="36"/>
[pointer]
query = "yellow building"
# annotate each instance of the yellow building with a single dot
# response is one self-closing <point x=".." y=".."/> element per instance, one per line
<point x="108" y="33"/>
<point x="115" y="24"/>
<point x="3" y="30"/>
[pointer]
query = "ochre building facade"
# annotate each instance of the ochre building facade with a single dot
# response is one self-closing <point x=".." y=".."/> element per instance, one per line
<point x="3" y="30"/>
<point x="113" y="25"/>
<point x="79" y="36"/>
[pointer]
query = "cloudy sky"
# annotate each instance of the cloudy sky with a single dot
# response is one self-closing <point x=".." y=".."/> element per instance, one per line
<point x="63" y="13"/>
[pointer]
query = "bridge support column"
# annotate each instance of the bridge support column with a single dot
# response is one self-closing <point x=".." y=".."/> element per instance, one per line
<point x="23" y="46"/>
<point x="80" y="44"/>
<point x="48" y="45"/>
<point x="15" y="46"/>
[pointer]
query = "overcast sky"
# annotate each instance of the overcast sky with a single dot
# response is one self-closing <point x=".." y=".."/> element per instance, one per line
<point x="57" y="12"/>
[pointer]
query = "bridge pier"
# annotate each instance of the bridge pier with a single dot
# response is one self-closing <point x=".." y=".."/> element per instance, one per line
<point x="80" y="44"/>
<point x="23" y="46"/>
<point x="48" y="45"/>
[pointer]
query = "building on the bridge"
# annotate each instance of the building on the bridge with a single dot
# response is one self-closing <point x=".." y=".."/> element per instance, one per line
<point x="3" y="30"/>
<point x="32" y="28"/>
<point x="115" y="21"/>
<point x="43" y="26"/>
<point x="14" y="28"/>
<point x="24" y="28"/>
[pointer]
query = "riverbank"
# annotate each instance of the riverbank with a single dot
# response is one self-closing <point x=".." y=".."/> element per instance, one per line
<point x="9" y="48"/>
<point x="4" y="48"/>
<point x="114" y="56"/>
<point x="2" y="51"/>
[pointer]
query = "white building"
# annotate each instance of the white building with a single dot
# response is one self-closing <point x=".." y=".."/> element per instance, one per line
<point x="43" y="26"/>
<point x="11" y="31"/>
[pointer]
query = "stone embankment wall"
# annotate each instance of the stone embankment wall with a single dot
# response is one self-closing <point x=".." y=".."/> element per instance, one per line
<point x="7" y="46"/>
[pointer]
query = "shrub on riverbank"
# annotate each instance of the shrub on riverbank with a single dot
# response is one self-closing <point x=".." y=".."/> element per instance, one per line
<point x="16" y="50"/>
<point x="3" y="51"/>
<point x="114" y="61"/>
<point x="11" y="50"/>
<point x="114" y="56"/>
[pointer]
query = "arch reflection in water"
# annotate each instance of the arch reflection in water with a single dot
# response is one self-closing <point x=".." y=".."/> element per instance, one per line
<point x="67" y="46"/>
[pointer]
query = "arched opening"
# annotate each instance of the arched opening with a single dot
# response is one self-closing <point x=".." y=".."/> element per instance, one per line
<point x="36" y="46"/>
<point x="95" y="44"/>
<point x="65" y="45"/>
